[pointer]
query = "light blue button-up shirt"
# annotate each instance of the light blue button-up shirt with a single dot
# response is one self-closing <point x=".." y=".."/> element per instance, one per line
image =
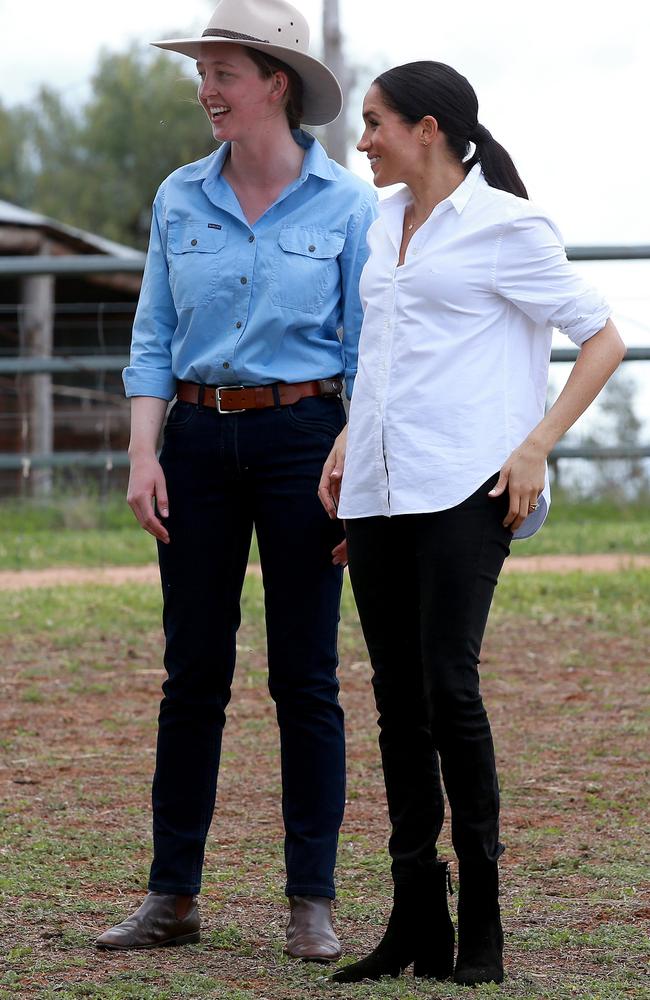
<point x="227" y="303"/>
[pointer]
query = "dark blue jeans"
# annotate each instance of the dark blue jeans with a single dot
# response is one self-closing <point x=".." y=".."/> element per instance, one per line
<point x="226" y="473"/>
<point x="423" y="584"/>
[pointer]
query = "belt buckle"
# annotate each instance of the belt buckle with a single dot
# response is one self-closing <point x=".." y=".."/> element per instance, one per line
<point x="331" y="386"/>
<point x="217" y="396"/>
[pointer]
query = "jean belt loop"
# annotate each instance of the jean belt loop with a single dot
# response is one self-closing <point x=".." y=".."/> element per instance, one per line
<point x="276" y="395"/>
<point x="201" y="396"/>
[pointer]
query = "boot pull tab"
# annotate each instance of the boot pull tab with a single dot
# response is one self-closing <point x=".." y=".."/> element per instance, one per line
<point x="449" y="885"/>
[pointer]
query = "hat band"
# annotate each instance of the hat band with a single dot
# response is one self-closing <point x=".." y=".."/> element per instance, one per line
<point x="224" y="33"/>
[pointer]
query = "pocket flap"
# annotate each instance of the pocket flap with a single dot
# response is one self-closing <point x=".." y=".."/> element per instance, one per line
<point x="195" y="237"/>
<point x="311" y="242"/>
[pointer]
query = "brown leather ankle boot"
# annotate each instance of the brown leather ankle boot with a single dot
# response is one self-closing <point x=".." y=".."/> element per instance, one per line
<point x="310" y="934"/>
<point x="155" y="924"/>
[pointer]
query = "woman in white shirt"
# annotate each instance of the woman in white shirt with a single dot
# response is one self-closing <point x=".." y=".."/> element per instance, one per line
<point x="446" y="460"/>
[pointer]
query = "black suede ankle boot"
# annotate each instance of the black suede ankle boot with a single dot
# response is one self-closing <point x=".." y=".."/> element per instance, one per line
<point x="419" y="930"/>
<point x="480" y="936"/>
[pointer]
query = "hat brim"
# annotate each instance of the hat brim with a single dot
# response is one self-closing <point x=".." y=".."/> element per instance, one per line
<point x="322" y="96"/>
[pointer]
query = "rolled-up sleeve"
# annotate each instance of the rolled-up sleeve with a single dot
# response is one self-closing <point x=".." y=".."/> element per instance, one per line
<point x="150" y="370"/>
<point x="351" y="261"/>
<point x="532" y="271"/>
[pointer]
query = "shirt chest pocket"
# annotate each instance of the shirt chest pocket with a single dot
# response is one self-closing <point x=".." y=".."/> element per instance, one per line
<point x="305" y="268"/>
<point x="193" y="250"/>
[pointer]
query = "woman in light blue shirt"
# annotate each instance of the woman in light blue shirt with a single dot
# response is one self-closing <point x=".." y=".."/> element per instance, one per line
<point x="251" y="276"/>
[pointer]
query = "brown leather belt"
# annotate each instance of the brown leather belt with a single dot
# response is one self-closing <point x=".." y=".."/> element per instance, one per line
<point x="235" y="398"/>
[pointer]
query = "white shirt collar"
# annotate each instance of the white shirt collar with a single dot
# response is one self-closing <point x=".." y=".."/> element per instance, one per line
<point x="462" y="194"/>
<point x="458" y="198"/>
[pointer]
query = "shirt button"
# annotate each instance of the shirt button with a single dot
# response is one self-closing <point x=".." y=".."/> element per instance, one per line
<point x="311" y="248"/>
<point x="194" y="242"/>
<point x="226" y="365"/>
<point x="244" y="281"/>
<point x="251" y="239"/>
<point x="238" y="325"/>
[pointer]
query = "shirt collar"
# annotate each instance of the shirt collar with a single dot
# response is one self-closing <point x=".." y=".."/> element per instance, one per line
<point x="462" y="194"/>
<point x="458" y="198"/>
<point x="316" y="159"/>
<point x="315" y="162"/>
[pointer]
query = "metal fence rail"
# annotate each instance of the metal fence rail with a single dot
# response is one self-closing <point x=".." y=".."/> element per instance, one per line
<point x="120" y="460"/>
<point x="64" y="460"/>
<point x="116" y="362"/>
<point x="63" y="266"/>
<point x="56" y="364"/>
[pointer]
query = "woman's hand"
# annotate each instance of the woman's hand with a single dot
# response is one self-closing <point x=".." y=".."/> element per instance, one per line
<point x="147" y="480"/>
<point x="146" y="484"/>
<point x="329" y="488"/>
<point x="340" y="553"/>
<point x="523" y="475"/>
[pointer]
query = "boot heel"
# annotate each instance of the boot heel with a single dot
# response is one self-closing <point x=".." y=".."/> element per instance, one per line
<point x="437" y="962"/>
<point x="441" y="968"/>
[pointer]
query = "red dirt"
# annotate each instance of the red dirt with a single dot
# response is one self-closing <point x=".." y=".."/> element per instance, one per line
<point x="116" y="575"/>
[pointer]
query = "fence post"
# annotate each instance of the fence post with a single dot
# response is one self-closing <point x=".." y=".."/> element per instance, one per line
<point x="38" y="328"/>
<point x="336" y="132"/>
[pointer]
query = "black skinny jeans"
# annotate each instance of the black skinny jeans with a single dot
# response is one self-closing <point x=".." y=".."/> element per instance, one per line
<point x="423" y="584"/>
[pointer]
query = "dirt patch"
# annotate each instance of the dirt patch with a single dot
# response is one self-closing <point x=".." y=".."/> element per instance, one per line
<point x="607" y="562"/>
<point x="116" y="575"/>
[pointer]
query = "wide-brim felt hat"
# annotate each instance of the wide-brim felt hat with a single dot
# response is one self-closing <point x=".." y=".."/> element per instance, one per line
<point x="277" y="29"/>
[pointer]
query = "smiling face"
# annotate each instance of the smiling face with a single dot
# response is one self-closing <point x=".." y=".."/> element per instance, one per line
<point x="392" y="145"/>
<point x="233" y="93"/>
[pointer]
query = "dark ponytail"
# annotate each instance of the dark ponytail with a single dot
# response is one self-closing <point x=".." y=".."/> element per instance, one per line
<point x="432" y="88"/>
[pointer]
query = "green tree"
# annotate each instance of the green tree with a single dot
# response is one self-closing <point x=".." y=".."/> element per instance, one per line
<point x="143" y="120"/>
<point x="54" y="148"/>
<point x="99" y="167"/>
<point x="16" y="171"/>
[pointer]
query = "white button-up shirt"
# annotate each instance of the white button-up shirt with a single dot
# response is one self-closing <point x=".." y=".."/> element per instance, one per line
<point x="455" y="348"/>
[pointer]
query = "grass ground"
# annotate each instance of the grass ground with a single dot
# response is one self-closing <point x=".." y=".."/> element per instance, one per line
<point x="564" y="672"/>
<point x="80" y="531"/>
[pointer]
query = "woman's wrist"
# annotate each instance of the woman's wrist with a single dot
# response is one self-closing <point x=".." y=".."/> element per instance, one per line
<point x="141" y="452"/>
<point x="540" y="443"/>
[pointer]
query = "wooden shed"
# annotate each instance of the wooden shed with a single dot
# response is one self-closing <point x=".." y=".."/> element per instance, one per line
<point x="65" y="317"/>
